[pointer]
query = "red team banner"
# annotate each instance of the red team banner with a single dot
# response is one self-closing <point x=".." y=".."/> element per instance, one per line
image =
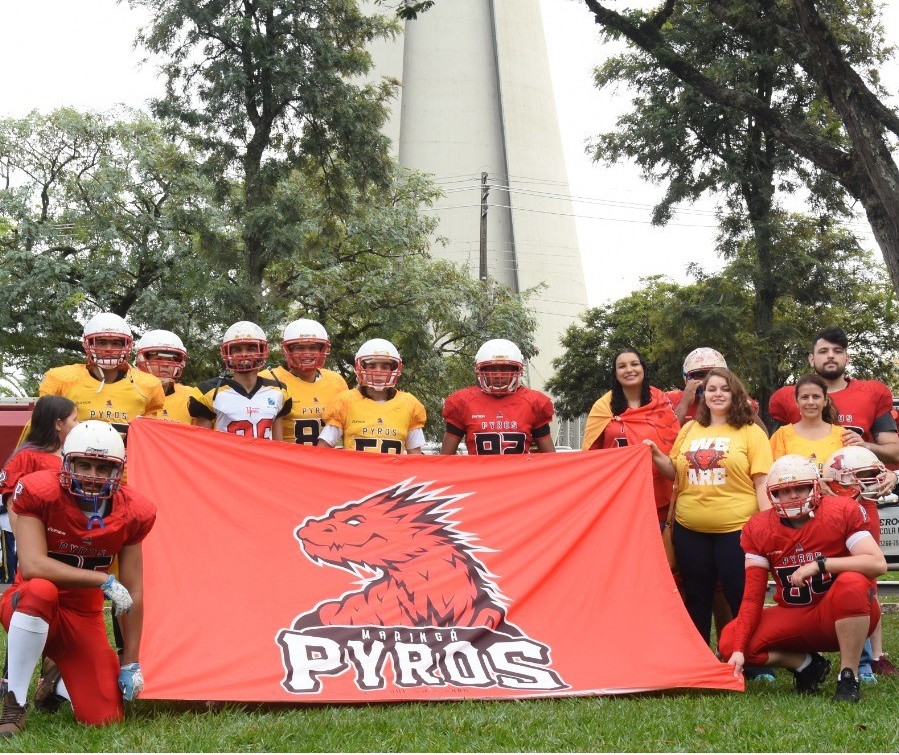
<point x="293" y="574"/>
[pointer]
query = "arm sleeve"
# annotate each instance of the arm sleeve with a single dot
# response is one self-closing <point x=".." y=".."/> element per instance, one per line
<point x="335" y="414"/>
<point x="51" y="386"/>
<point x="25" y="504"/>
<point x="418" y="416"/>
<point x="759" y="450"/>
<point x="778" y="444"/>
<point x="156" y="400"/>
<point x="452" y="413"/>
<point x="751" y="608"/>
<point x="287" y="406"/>
<point x="200" y="406"/>
<point x="415" y="439"/>
<point x="779" y="405"/>
<point x="543" y="413"/>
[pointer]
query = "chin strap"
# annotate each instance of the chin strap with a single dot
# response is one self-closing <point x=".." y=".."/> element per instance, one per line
<point x="95" y="517"/>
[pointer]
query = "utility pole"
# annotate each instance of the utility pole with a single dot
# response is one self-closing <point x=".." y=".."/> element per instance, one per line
<point x="485" y="192"/>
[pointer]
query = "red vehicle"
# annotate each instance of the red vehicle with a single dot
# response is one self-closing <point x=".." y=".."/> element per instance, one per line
<point x="14" y="415"/>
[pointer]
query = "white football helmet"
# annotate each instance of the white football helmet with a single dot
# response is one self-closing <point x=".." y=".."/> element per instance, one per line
<point x="244" y="333"/>
<point x="854" y="472"/>
<point x="789" y="472"/>
<point x="301" y="332"/>
<point x="161" y="353"/>
<point x="378" y="349"/>
<point x="97" y="441"/>
<point x="504" y="355"/>
<point x="702" y="360"/>
<point x="103" y="326"/>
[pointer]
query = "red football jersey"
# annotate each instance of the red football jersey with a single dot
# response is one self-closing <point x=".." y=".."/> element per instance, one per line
<point x="838" y="523"/>
<point x="864" y="406"/>
<point x="498" y="424"/>
<point x="128" y="520"/>
<point x="25" y="461"/>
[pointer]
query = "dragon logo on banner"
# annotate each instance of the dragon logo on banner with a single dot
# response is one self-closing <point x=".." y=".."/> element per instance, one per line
<point x="426" y="603"/>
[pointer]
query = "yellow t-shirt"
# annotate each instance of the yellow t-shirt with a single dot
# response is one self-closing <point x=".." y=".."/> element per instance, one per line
<point x="175" y="407"/>
<point x="377" y="426"/>
<point x="714" y="468"/>
<point x="310" y="401"/>
<point x="136" y="394"/>
<point x="787" y="441"/>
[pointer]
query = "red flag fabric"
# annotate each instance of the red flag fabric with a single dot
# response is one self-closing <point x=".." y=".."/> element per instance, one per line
<point x="287" y="573"/>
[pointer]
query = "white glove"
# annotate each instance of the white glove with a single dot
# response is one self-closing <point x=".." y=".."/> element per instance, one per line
<point x="118" y="594"/>
<point x="131" y="681"/>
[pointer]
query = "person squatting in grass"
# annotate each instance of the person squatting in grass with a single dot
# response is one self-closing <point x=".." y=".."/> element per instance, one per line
<point x="824" y="563"/>
<point x="55" y="606"/>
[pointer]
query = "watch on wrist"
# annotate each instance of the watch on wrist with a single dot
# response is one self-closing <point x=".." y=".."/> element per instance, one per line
<point x="820" y="561"/>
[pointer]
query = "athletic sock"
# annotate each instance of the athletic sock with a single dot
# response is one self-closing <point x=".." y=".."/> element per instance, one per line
<point x="805" y="663"/>
<point x="25" y="645"/>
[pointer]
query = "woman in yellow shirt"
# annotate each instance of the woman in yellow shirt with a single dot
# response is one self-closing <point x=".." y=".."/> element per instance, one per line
<point x="721" y="463"/>
<point x="816" y="435"/>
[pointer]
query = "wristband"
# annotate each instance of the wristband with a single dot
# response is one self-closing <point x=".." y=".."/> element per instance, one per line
<point x="820" y="561"/>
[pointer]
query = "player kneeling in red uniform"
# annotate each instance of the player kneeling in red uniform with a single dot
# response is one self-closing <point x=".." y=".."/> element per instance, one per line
<point x="824" y="562"/>
<point x="499" y="415"/>
<point x="69" y="525"/>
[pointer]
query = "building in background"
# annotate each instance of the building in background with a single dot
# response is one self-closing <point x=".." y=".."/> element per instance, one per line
<point x="476" y="98"/>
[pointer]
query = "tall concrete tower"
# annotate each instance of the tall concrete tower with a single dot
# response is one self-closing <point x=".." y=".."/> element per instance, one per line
<point x="476" y="97"/>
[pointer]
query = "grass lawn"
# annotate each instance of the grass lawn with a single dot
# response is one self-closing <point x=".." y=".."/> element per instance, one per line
<point x="768" y="718"/>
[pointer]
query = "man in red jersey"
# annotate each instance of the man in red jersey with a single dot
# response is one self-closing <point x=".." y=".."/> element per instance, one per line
<point x="498" y="415"/>
<point x="824" y="563"/>
<point x="69" y="526"/>
<point x="864" y="407"/>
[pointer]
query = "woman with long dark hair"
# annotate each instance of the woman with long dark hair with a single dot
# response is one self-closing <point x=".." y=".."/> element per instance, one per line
<point x="721" y="463"/>
<point x="633" y="411"/>
<point x="52" y="419"/>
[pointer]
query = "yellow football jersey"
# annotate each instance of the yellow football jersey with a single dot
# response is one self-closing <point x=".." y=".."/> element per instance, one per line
<point x="233" y="410"/>
<point x="310" y="400"/>
<point x="378" y="426"/>
<point x="135" y="394"/>
<point x="175" y="407"/>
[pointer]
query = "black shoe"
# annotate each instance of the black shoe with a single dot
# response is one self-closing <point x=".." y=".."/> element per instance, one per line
<point x="848" y="688"/>
<point x="811" y="676"/>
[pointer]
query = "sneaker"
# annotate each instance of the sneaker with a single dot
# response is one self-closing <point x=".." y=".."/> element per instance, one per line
<point x="883" y="666"/>
<point x="848" y="688"/>
<point x="867" y="678"/>
<point x="45" y="697"/>
<point x="12" y="719"/>
<point x="811" y="676"/>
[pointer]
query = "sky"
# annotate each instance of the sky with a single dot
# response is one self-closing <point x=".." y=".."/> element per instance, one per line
<point x="80" y="53"/>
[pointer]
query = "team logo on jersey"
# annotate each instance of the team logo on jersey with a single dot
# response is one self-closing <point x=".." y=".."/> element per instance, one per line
<point x="108" y="403"/>
<point x="380" y="421"/>
<point x="703" y="461"/>
<point x="426" y="602"/>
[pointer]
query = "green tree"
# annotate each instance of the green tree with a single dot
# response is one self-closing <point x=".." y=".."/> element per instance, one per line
<point x="834" y="48"/>
<point x="101" y="213"/>
<point x="826" y="279"/>
<point x="267" y="87"/>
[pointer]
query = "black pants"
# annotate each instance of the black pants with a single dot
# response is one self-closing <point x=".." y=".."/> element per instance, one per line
<point x="703" y="559"/>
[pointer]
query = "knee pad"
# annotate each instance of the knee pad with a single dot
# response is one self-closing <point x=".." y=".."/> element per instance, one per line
<point x="37" y="597"/>
<point x="851" y="594"/>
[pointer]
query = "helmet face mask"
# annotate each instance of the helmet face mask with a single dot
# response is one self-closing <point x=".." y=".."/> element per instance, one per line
<point x="499" y="365"/>
<point x="378" y="365"/>
<point x="305" y="345"/>
<point x="161" y="353"/>
<point x="854" y="472"/>
<point x="245" y="347"/>
<point x="793" y="488"/>
<point x="93" y="459"/>
<point x="107" y="341"/>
